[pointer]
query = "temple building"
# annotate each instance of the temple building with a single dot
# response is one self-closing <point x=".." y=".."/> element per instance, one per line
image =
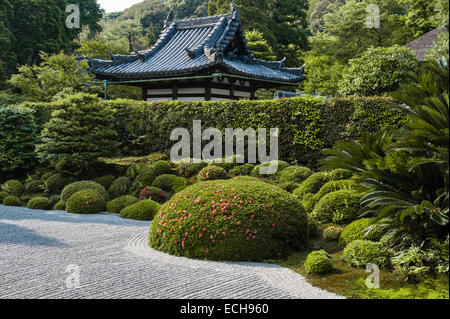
<point x="196" y="60"/>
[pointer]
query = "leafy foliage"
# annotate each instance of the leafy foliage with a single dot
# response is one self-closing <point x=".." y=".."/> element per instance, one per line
<point x="360" y="253"/>
<point x="318" y="262"/>
<point x="87" y="201"/>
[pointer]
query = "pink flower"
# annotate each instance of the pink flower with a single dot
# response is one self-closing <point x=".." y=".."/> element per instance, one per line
<point x="206" y="250"/>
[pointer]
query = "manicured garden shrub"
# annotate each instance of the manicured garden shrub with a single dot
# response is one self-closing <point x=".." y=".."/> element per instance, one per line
<point x="318" y="262"/>
<point x="154" y="193"/>
<point x="238" y="219"/>
<point x="161" y="167"/>
<point x="230" y="162"/>
<point x="307" y="201"/>
<point x="170" y="183"/>
<point x="39" y="203"/>
<point x="3" y="195"/>
<point x="338" y="207"/>
<point x="12" y="201"/>
<point x="332" y="232"/>
<point x="71" y="189"/>
<point x="332" y="186"/>
<point x="294" y="174"/>
<point x="106" y="181"/>
<point x="340" y="173"/>
<point x="55" y="183"/>
<point x="143" y="210"/>
<point x="187" y="167"/>
<point x="116" y="205"/>
<point x="13" y="187"/>
<point x="244" y="169"/>
<point x="358" y="229"/>
<point x="256" y="172"/>
<point x="34" y="186"/>
<point x="120" y="186"/>
<point x="312" y="184"/>
<point x="54" y="199"/>
<point x="46" y="175"/>
<point x="134" y="169"/>
<point x="146" y="176"/>
<point x="212" y="172"/>
<point x="289" y="187"/>
<point x="360" y="253"/>
<point x="86" y="201"/>
<point x="60" y="205"/>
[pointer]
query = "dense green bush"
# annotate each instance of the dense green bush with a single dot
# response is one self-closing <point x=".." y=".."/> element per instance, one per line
<point x="86" y="201"/>
<point x="154" y="193"/>
<point x="318" y="262"/>
<point x="238" y="219"/>
<point x="359" y="229"/>
<point x="339" y="207"/>
<point x="212" y="172"/>
<point x="60" y="205"/>
<point x="3" y="195"/>
<point x="120" y="186"/>
<point x="39" y="203"/>
<point x="360" y="253"/>
<point x="106" y="181"/>
<point x="329" y="187"/>
<point x="55" y="183"/>
<point x="34" y="186"/>
<point x="116" y="205"/>
<point x="18" y="137"/>
<point x="143" y="210"/>
<point x="54" y="199"/>
<point x="147" y="175"/>
<point x="12" y="201"/>
<point x="256" y="172"/>
<point x="332" y="232"/>
<point x="187" y="167"/>
<point x="13" y="187"/>
<point x="154" y="157"/>
<point x="294" y="174"/>
<point x="133" y="170"/>
<point x="71" y="189"/>
<point x="242" y="170"/>
<point x="161" y="167"/>
<point x="340" y="173"/>
<point x="312" y="184"/>
<point x="170" y="183"/>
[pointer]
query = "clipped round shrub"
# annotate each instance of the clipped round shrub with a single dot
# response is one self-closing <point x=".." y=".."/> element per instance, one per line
<point x="154" y="157"/>
<point x="12" y="201"/>
<point x="294" y="174"/>
<point x="257" y="170"/>
<point x="330" y="187"/>
<point x="3" y="195"/>
<point x="289" y="187"/>
<point x="55" y="183"/>
<point x="187" y="167"/>
<point x="228" y="163"/>
<point x="39" y="203"/>
<point x="120" y="187"/>
<point x="116" y="205"/>
<point x="106" y="181"/>
<point x="360" y="253"/>
<point x="242" y="170"/>
<point x="54" y="199"/>
<point x="143" y="210"/>
<point x="318" y="262"/>
<point x="161" y="167"/>
<point x="146" y="176"/>
<point x="237" y="219"/>
<point x="35" y="186"/>
<point x="154" y="193"/>
<point x="60" y="205"/>
<point x="358" y="229"/>
<point x="312" y="184"/>
<point x="212" y="172"/>
<point x="338" y="207"/>
<point x="13" y="187"/>
<point x="71" y="189"/>
<point x="86" y="201"/>
<point x="170" y="183"/>
<point x="332" y="232"/>
<point x="340" y="173"/>
<point x="134" y="169"/>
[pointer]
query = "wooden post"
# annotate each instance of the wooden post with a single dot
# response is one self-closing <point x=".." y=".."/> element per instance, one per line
<point x="175" y="91"/>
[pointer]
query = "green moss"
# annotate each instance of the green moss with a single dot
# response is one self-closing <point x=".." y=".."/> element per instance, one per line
<point x="60" y="205"/>
<point x="106" y="181"/>
<point x="143" y="210"/>
<point x="71" y="189"/>
<point x="312" y="184"/>
<point x="360" y="253"/>
<point x="339" y="207"/>
<point x="238" y="219"/>
<point x="120" y="187"/>
<point x="116" y="205"/>
<point x="212" y="172"/>
<point x="12" y="201"/>
<point x="161" y="167"/>
<point x="86" y="201"/>
<point x="39" y="203"/>
<point x="170" y="183"/>
<point x="294" y="174"/>
<point x="359" y="229"/>
<point x="13" y="187"/>
<point x="318" y="262"/>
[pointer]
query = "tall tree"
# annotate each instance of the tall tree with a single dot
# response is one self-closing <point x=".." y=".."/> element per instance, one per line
<point x="188" y="8"/>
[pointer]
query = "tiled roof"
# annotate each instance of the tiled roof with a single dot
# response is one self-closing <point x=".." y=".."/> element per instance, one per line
<point x="187" y="47"/>
<point x="422" y="45"/>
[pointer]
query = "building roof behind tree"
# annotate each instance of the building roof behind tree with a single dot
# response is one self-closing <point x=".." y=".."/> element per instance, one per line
<point x="421" y="46"/>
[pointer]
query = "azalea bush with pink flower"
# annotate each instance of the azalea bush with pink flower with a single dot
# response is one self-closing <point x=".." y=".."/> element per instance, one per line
<point x="87" y="201"/>
<point x="243" y="219"/>
<point x="153" y="193"/>
<point x="332" y="232"/>
<point x="212" y="172"/>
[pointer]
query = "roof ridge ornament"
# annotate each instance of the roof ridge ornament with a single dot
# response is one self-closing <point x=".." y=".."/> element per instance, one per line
<point x="234" y="11"/>
<point x="169" y="18"/>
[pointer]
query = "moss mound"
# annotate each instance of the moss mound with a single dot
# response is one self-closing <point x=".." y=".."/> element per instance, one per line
<point x="238" y="219"/>
<point x="318" y="262"/>
<point x="339" y="207"/>
<point x="360" y="253"/>
<point x="120" y="187"/>
<point x="116" y="205"/>
<point x="39" y="203"/>
<point x="13" y="187"/>
<point x="154" y="193"/>
<point x="170" y="183"/>
<point x="212" y="172"/>
<point x="60" y="205"/>
<point x="143" y="210"/>
<point x="364" y="228"/>
<point x="86" y="201"/>
<point x="294" y="174"/>
<point x="312" y="184"/>
<point x="12" y="201"/>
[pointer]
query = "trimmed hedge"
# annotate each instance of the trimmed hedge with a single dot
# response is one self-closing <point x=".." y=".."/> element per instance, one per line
<point x="242" y="170"/>
<point x="332" y="232"/>
<point x="161" y="167"/>
<point x="256" y="172"/>
<point x="338" y="207"/>
<point x="360" y="253"/>
<point x="116" y="205"/>
<point x="12" y="201"/>
<point x="39" y="203"/>
<point x="212" y="172"/>
<point x="187" y="168"/>
<point x="55" y="183"/>
<point x="359" y="230"/>
<point x="154" y="193"/>
<point x="170" y="183"/>
<point x="329" y="187"/>
<point x="312" y="184"/>
<point x="3" y="195"/>
<point x="71" y="189"/>
<point x="13" y="187"/>
<point x="143" y="210"/>
<point x="294" y="174"/>
<point x="86" y="201"/>
<point x="106" y="181"/>
<point x="60" y="205"/>
<point x="318" y="262"/>
<point x="120" y="186"/>
<point x="237" y="219"/>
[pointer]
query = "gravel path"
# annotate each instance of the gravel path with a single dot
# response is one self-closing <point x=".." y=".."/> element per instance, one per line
<point x="42" y="251"/>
